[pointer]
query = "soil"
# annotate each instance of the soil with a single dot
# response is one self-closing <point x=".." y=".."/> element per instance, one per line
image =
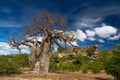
<point x="27" y="75"/>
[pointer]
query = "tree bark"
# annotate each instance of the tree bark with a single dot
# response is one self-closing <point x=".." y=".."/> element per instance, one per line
<point x="40" y="64"/>
<point x="33" y="56"/>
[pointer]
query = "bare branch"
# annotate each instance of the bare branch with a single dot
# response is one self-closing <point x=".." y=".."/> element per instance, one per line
<point x="59" y="44"/>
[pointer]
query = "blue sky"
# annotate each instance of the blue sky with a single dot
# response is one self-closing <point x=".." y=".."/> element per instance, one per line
<point x="95" y="21"/>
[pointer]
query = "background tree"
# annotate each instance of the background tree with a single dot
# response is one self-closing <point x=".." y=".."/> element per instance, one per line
<point x="113" y="64"/>
<point x="50" y="28"/>
<point x="90" y="51"/>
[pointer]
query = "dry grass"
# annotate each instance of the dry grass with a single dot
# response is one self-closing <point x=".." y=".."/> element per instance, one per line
<point x="58" y="76"/>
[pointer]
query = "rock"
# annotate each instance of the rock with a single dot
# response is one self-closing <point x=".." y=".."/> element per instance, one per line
<point x="75" y="50"/>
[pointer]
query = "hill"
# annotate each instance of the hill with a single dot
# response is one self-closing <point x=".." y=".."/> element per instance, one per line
<point x="91" y="51"/>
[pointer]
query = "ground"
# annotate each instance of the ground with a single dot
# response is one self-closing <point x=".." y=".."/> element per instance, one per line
<point x="58" y="76"/>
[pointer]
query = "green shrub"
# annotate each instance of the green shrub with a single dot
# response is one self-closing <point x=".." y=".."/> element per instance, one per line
<point x="21" y="59"/>
<point x="90" y="51"/>
<point x="85" y="68"/>
<point x="11" y="64"/>
<point x="113" y="64"/>
<point x="67" y="63"/>
<point x="96" y="67"/>
<point x="8" y="66"/>
<point x="68" y="66"/>
<point x="79" y="59"/>
<point x="53" y="66"/>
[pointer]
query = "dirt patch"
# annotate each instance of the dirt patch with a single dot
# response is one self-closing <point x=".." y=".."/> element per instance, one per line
<point x="58" y="76"/>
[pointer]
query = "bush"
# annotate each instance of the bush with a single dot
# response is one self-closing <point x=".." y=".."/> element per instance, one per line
<point x="11" y="64"/>
<point x="68" y="66"/>
<point x="85" y="68"/>
<point x="67" y="63"/>
<point x="53" y="66"/>
<point x="96" y="67"/>
<point x="79" y="59"/>
<point x="54" y="60"/>
<point x="8" y="66"/>
<point x="113" y="64"/>
<point x="90" y="51"/>
<point x="21" y="59"/>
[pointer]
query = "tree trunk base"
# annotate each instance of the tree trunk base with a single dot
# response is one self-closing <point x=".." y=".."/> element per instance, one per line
<point x="41" y="66"/>
<point x="36" y="67"/>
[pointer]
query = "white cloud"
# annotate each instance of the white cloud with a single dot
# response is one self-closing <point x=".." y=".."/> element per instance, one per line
<point x="80" y="35"/>
<point x="100" y="40"/>
<point x="74" y="43"/>
<point x="34" y="38"/>
<point x="5" y="49"/>
<point x="86" y="22"/>
<point x="91" y="38"/>
<point x="105" y="31"/>
<point x="90" y="33"/>
<point x="115" y="37"/>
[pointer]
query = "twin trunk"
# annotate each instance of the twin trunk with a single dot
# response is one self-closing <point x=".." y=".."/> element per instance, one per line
<point x="39" y="58"/>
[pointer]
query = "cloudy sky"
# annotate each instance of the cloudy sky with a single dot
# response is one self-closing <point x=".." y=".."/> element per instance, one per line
<point x="93" y="21"/>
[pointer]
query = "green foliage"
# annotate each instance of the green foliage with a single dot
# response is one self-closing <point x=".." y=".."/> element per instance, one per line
<point x="96" y="67"/>
<point x="79" y="59"/>
<point x="21" y="60"/>
<point x="75" y="63"/>
<point x="113" y="64"/>
<point x="60" y="49"/>
<point x="90" y="51"/>
<point x="85" y="68"/>
<point x="67" y="63"/>
<point x="68" y="66"/>
<point x="11" y="64"/>
<point x="53" y="66"/>
<point x="8" y="66"/>
<point x="108" y="60"/>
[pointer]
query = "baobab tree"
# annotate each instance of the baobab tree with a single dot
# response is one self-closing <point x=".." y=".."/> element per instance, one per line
<point x="51" y="30"/>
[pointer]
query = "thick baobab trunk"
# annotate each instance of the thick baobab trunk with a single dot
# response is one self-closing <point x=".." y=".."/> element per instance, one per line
<point x="44" y="58"/>
<point x="33" y="56"/>
<point x="41" y="63"/>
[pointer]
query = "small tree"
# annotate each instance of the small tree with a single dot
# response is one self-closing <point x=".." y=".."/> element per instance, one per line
<point x="90" y="51"/>
<point x="113" y="64"/>
<point x="50" y="28"/>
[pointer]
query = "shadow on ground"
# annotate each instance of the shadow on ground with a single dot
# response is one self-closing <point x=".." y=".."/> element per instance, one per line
<point x="98" y="78"/>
